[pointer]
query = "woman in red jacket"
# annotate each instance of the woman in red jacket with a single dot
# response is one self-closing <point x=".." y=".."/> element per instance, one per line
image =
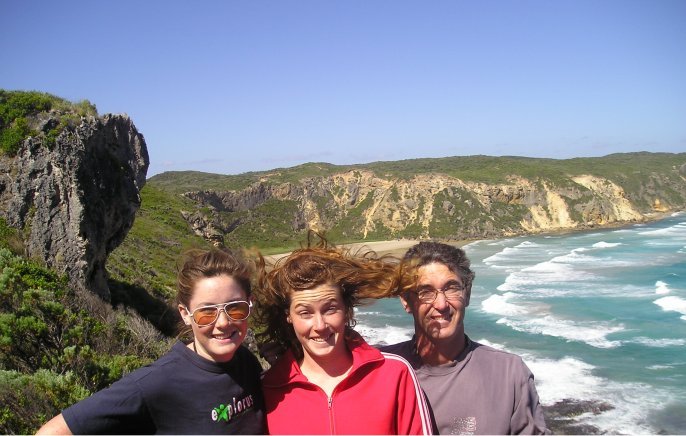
<point x="330" y="381"/>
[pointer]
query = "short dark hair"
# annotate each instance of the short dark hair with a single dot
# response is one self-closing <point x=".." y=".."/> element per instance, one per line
<point x="427" y="252"/>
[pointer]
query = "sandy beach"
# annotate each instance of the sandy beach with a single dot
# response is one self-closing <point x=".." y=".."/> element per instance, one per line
<point x="395" y="248"/>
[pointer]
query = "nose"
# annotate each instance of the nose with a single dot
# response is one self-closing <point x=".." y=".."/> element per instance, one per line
<point x="319" y="322"/>
<point x="441" y="302"/>
<point x="222" y="319"/>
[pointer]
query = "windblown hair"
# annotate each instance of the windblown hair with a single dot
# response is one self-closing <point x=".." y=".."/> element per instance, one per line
<point x="361" y="276"/>
<point x="202" y="264"/>
<point x="428" y="252"/>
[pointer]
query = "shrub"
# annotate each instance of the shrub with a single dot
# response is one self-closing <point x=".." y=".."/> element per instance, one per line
<point x="46" y="328"/>
<point x="29" y="400"/>
<point x="17" y="107"/>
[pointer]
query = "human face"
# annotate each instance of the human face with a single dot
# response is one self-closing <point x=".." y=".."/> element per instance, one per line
<point x="218" y="341"/>
<point x="318" y="316"/>
<point x="441" y="319"/>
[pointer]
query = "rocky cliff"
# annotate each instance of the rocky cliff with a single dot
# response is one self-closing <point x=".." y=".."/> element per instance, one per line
<point x="75" y="197"/>
<point x="361" y="204"/>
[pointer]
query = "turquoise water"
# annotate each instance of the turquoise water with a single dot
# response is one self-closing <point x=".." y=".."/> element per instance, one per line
<point x="596" y="315"/>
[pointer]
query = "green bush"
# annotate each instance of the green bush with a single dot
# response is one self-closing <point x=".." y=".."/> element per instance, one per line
<point x="12" y="137"/>
<point x="29" y="400"/>
<point x="47" y="328"/>
<point x="18" y="107"/>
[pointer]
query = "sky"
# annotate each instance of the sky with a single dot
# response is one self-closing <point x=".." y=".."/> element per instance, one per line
<point x="234" y="86"/>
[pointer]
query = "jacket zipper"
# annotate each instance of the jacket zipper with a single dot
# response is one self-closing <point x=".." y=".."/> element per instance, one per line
<point x="332" y="426"/>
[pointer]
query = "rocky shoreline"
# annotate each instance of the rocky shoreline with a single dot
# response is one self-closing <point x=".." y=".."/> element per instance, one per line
<point x="563" y="416"/>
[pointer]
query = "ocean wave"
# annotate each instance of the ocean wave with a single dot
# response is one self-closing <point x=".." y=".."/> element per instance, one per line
<point x="657" y="343"/>
<point x="572" y="378"/>
<point x="677" y="230"/>
<point x="661" y="288"/>
<point x="672" y="304"/>
<point x="376" y="314"/>
<point x="384" y="336"/>
<point x="603" y="244"/>
<point x="517" y="255"/>
<point x="659" y="367"/>
<point x="591" y="333"/>
<point x="542" y="274"/>
<point x="498" y="304"/>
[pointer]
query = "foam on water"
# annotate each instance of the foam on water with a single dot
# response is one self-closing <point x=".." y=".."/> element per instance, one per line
<point x="672" y="304"/>
<point x="603" y="244"/>
<point x="499" y="305"/>
<point x="659" y="367"/>
<point x="545" y="273"/>
<point x="384" y="336"/>
<point x="513" y="257"/>
<point x="557" y="380"/>
<point x="677" y="230"/>
<point x="593" y="333"/>
<point x="656" y="343"/>
<point x="661" y="288"/>
<point x="572" y="378"/>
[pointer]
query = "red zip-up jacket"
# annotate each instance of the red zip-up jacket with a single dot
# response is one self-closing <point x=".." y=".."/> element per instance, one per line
<point x="380" y="395"/>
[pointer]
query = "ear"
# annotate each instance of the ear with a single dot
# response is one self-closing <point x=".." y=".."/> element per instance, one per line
<point x="467" y="297"/>
<point x="184" y="314"/>
<point x="407" y="305"/>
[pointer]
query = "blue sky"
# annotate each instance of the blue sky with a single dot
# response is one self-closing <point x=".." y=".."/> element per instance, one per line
<point x="234" y="86"/>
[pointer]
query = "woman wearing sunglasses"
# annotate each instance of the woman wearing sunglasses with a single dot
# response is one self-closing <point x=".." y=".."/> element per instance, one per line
<point x="207" y="386"/>
<point x="329" y="381"/>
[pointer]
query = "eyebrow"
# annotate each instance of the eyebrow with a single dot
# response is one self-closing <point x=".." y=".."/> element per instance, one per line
<point x="448" y="283"/>
<point x="225" y="302"/>
<point x="307" y="304"/>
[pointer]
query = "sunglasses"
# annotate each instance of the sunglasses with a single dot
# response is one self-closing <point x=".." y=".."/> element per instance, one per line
<point x="208" y="315"/>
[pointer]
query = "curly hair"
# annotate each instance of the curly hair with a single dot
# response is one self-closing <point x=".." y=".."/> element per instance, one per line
<point x="361" y="276"/>
<point x="427" y="252"/>
<point x="202" y="264"/>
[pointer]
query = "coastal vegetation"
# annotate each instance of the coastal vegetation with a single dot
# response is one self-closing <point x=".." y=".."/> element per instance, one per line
<point x="57" y="345"/>
<point x="32" y="113"/>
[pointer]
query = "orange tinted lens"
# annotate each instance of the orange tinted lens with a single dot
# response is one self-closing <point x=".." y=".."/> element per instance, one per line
<point x="205" y="315"/>
<point x="239" y="310"/>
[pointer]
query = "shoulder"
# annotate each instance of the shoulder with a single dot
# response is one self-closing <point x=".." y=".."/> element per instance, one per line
<point x="396" y="360"/>
<point x="401" y="348"/>
<point x="493" y="357"/>
<point x="398" y="365"/>
<point x="281" y="372"/>
<point x="245" y="357"/>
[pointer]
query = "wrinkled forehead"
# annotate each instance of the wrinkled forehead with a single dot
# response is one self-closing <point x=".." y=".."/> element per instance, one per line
<point x="436" y="272"/>
<point x="318" y="294"/>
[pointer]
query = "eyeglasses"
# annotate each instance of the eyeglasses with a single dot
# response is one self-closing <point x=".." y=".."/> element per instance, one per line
<point x="451" y="291"/>
<point x="207" y="315"/>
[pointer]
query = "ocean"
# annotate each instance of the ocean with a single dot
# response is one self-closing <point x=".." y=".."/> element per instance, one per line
<point x="598" y="316"/>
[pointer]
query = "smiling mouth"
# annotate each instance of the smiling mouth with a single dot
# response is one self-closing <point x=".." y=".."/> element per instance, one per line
<point x="320" y="339"/>
<point x="225" y="337"/>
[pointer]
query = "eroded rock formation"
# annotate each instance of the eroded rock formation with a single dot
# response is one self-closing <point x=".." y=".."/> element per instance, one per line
<point x="76" y="200"/>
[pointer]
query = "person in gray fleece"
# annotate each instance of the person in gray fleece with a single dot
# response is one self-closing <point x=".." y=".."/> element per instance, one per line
<point x="471" y="388"/>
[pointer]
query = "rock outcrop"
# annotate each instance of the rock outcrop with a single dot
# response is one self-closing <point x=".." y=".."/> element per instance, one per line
<point x="76" y="200"/>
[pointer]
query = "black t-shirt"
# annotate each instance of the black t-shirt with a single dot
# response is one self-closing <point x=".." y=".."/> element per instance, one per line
<point x="180" y="393"/>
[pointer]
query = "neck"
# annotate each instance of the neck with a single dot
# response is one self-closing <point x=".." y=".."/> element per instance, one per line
<point x="327" y="371"/>
<point x="439" y="351"/>
<point x="331" y="365"/>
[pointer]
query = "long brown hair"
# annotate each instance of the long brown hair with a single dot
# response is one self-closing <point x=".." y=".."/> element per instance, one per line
<point x="361" y="276"/>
